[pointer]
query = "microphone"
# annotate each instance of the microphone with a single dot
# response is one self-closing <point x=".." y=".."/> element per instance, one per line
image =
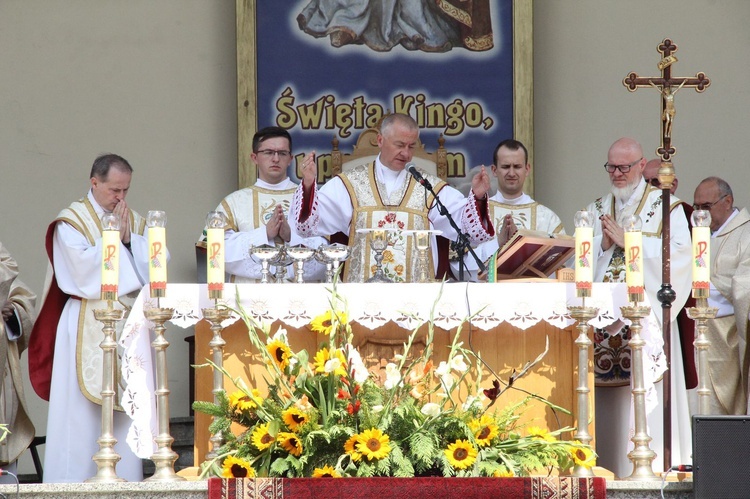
<point x="412" y="168"/>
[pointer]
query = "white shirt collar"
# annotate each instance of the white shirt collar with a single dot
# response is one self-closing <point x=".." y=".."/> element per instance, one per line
<point x="522" y="199"/>
<point x="284" y="184"/>
<point x="734" y="213"/>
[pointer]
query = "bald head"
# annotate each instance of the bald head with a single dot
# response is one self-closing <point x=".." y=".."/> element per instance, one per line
<point x="651" y="174"/>
<point x="625" y="154"/>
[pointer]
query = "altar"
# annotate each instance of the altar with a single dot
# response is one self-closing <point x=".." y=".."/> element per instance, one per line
<point x="509" y="326"/>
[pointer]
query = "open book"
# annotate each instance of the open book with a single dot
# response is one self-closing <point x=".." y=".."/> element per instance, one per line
<point x="530" y="253"/>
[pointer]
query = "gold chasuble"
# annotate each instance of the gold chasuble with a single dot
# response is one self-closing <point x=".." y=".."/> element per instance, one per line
<point x="82" y="216"/>
<point x="252" y="207"/>
<point x="531" y="216"/>
<point x="405" y="209"/>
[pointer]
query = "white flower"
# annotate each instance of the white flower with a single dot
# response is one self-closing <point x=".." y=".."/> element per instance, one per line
<point x="392" y="376"/>
<point x="431" y="409"/>
<point x="458" y="364"/>
<point x="442" y="369"/>
<point x="447" y="381"/>
<point x="332" y="364"/>
<point x="280" y="335"/>
<point x="377" y="408"/>
<point x="358" y="367"/>
<point x="471" y="401"/>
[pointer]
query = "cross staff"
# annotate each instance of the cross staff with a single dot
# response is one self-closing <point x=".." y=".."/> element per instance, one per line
<point x="666" y="150"/>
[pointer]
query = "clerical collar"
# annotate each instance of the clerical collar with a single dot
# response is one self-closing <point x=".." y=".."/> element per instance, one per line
<point x="98" y="209"/>
<point x="522" y="199"/>
<point x="284" y="184"/>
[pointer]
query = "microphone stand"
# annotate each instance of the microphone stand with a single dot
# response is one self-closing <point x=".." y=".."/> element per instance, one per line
<point x="462" y="243"/>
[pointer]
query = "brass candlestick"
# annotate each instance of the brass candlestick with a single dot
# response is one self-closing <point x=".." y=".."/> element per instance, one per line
<point x="701" y="314"/>
<point x="106" y="458"/>
<point x="641" y="456"/>
<point x="583" y="315"/>
<point x="164" y="457"/>
<point x="215" y="316"/>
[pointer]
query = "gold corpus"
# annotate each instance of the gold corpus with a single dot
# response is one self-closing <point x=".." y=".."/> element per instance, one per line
<point x="106" y="458"/>
<point x="164" y="457"/>
<point x="583" y="315"/>
<point x="215" y="316"/>
<point x="701" y="314"/>
<point x="641" y="456"/>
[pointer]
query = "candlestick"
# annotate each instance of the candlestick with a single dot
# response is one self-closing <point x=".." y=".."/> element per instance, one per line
<point x="701" y="253"/>
<point x="156" y="221"/>
<point x="215" y="223"/>
<point x="584" y="240"/>
<point x="110" y="256"/>
<point x="634" y="257"/>
<point x="215" y="316"/>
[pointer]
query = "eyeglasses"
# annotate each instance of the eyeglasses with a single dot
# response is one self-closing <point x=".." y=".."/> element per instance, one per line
<point x="708" y="206"/>
<point x="622" y="168"/>
<point x="653" y="181"/>
<point x="269" y="153"/>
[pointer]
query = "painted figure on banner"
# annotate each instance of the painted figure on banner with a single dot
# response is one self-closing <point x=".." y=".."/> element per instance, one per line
<point x="631" y="195"/>
<point x="510" y="208"/>
<point x="429" y="26"/>
<point x="65" y="357"/>
<point x="382" y="194"/>
<point x="257" y="215"/>
<point x="18" y="304"/>
<point x="730" y="293"/>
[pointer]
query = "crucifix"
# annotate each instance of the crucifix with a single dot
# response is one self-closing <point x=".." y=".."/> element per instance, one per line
<point x="668" y="86"/>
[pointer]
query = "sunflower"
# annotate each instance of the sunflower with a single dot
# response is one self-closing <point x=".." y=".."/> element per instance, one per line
<point x="322" y="357"/>
<point x="290" y="442"/>
<point x="350" y="447"/>
<point x="261" y="438"/>
<point x="280" y="353"/>
<point x="461" y="454"/>
<point x="294" y="418"/>
<point x="374" y="444"/>
<point x="326" y="472"/>
<point x="241" y="401"/>
<point x="583" y="456"/>
<point x="540" y="434"/>
<point x="484" y="430"/>
<point x="503" y="472"/>
<point x="325" y="323"/>
<point x="235" y="467"/>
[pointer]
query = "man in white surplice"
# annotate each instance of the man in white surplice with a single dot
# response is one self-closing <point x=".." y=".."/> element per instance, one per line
<point x="510" y="208"/>
<point x="65" y="359"/>
<point x="257" y="215"/>
<point x="630" y="194"/>
<point x="382" y="194"/>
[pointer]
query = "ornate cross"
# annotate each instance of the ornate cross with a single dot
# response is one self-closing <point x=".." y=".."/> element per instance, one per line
<point x="665" y="85"/>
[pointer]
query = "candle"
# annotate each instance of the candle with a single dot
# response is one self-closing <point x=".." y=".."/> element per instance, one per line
<point x="634" y="257"/>
<point x="157" y="261"/>
<point x="701" y="253"/>
<point x="584" y="241"/>
<point x="215" y="223"/>
<point x="110" y="256"/>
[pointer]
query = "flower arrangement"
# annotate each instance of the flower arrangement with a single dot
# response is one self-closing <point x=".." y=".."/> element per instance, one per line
<point x="326" y="415"/>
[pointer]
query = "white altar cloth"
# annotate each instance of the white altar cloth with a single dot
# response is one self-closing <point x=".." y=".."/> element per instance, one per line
<point x="371" y="305"/>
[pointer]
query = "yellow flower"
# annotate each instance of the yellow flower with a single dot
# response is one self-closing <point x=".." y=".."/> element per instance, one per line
<point x="294" y="418"/>
<point x="325" y="323"/>
<point x="261" y="438"/>
<point x="373" y="444"/>
<point x="461" y="454"/>
<point x="485" y="433"/>
<point x="388" y="256"/>
<point x="235" y="467"/>
<point x="540" y="433"/>
<point x="280" y="353"/>
<point x="290" y="442"/>
<point x="323" y="356"/>
<point x="399" y="269"/>
<point x="503" y="473"/>
<point x="326" y="471"/>
<point x="241" y="401"/>
<point x="583" y="456"/>
<point x="350" y="447"/>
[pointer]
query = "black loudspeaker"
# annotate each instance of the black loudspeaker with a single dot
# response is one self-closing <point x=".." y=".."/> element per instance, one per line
<point x="721" y="453"/>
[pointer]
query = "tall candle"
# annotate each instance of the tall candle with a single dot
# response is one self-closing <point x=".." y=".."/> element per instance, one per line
<point x="157" y="261"/>
<point x="215" y="223"/>
<point x="701" y="253"/>
<point x="634" y="258"/>
<point x="110" y="256"/>
<point x="584" y="262"/>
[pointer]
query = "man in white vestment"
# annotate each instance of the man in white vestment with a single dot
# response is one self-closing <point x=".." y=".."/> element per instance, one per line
<point x="383" y="194"/>
<point x="730" y="294"/>
<point x="510" y="208"/>
<point x="17" y="303"/>
<point x="629" y="195"/>
<point x="66" y="336"/>
<point x="257" y="215"/>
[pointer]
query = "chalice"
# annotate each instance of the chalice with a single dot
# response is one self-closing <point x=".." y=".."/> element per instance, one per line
<point x="299" y="254"/>
<point x="265" y="253"/>
<point x="332" y="255"/>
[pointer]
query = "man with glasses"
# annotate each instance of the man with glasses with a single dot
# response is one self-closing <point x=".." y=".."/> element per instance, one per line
<point x="257" y="215"/>
<point x="382" y="194"/>
<point x="730" y="294"/>
<point x="631" y="195"/>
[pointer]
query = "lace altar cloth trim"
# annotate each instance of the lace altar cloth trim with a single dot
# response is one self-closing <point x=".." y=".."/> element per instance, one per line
<point x="372" y="305"/>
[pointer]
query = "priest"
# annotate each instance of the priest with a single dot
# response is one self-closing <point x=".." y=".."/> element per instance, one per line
<point x="382" y="194"/>
<point x="65" y="359"/>
<point x="631" y="195"/>
<point x="18" y="306"/>
<point x="257" y="215"/>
